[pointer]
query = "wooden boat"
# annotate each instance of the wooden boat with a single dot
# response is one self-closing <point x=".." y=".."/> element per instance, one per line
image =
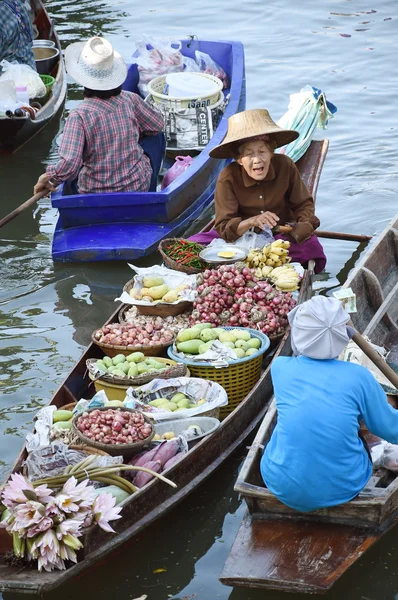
<point x="154" y="500"/>
<point x="128" y="225"/>
<point x="17" y="131"/>
<point x="279" y="548"/>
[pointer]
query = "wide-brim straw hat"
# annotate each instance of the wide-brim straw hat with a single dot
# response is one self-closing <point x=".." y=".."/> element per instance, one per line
<point x="319" y="328"/>
<point x="248" y="125"/>
<point x="95" y="64"/>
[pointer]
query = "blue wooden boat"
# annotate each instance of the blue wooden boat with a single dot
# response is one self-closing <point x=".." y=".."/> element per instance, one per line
<point x="128" y="225"/>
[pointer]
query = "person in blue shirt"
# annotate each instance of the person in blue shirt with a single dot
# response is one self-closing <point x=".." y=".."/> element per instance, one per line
<point x="16" y="33"/>
<point x="315" y="457"/>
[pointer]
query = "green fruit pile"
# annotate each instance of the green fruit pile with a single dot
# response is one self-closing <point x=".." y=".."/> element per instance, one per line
<point x="129" y="366"/>
<point x="178" y="402"/>
<point x="199" y="338"/>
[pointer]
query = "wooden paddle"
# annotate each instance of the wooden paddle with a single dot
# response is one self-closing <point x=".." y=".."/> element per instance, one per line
<point x="22" y="207"/>
<point x="332" y="235"/>
<point x="375" y="357"/>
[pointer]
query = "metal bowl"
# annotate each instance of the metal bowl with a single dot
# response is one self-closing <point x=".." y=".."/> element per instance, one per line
<point x="43" y="44"/>
<point x="45" y="58"/>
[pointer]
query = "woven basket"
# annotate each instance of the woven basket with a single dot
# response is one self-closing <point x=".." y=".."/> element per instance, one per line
<point x="238" y="378"/>
<point x="69" y="406"/>
<point x="172" y="264"/>
<point x="89" y="450"/>
<point x="157" y="86"/>
<point x="160" y="309"/>
<point x="111" y="350"/>
<point x="175" y="370"/>
<point x="125" y="450"/>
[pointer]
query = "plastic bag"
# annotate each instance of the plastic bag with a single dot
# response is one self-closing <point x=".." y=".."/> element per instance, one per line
<point x="156" y="57"/>
<point x="190" y="65"/>
<point x="24" y="75"/>
<point x="209" y="66"/>
<point x="181" y="163"/>
<point x="248" y="240"/>
<point x="192" y="387"/>
<point x="385" y="455"/>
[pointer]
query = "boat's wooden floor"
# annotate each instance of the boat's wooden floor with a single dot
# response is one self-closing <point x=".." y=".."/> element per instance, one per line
<point x="294" y="556"/>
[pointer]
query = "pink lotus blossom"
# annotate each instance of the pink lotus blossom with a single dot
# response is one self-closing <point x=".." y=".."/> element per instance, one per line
<point x="65" y="503"/>
<point x="47" y="547"/>
<point x="105" y="511"/>
<point x="26" y="515"/>
<point x="13" y="492"/>
<point x="69" y="527"/>
<point x="44" y="524"/>
<point x="81" y="493"/>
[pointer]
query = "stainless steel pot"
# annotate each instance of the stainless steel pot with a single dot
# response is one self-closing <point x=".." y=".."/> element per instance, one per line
<point x="43" y="44"/>
<point x="46" y="59"/>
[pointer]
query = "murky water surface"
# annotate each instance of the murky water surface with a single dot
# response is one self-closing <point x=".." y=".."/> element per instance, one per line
<point x="348" y="48"/>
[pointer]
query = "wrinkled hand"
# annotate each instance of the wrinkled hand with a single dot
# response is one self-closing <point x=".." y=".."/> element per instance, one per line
<point x="265" y="219"/>
<point x="302" y="232"/>
<point x="43" y="185"/>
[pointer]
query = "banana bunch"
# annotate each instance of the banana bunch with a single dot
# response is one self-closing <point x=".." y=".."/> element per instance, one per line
<point x="285" y="278"/>
<point x="265" y="259"/>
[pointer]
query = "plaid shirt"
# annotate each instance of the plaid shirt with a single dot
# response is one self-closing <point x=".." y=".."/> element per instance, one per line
<point x="16" y="33"/>
<point x="100" y="145"/>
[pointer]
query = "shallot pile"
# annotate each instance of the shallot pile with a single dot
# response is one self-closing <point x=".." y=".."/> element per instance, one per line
<point x="232" y="295"/>
<point x="114" y="426"/>
<point x="132" y="334"/>
<point x="173" y="324"/>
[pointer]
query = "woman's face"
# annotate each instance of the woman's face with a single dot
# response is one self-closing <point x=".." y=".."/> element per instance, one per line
<point x="255" y="158"/>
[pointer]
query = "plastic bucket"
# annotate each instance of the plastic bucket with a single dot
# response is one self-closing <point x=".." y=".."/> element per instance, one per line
<point x="191" y="85"/>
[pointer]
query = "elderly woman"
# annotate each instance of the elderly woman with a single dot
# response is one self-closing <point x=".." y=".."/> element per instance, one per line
<point x="316" y="457"/>
<point x="261" y="189"/>
<point x="113" y="141"/>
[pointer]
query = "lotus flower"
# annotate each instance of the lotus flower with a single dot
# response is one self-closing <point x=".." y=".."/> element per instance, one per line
<point x="14" y="492"/>
<point x="105" y="511"/>
<point x="44" y="524"/>
<point x="69" y="527"/>
<point x="81" y="493"/>
<point x="26" y="515"/>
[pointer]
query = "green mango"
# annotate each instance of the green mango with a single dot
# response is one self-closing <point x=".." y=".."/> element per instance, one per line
<point x="240" y="352"/>
<point x="183" y="403"/>
<point x="201" y="326"/>
<point x="125" y="367"/>
<point x="158" y="402"/>
<point x="62" y="415"/>
<point x="107" y="361"/>
<point x="191" y="347"/>
<point x="135" y="357"/>
<point x="101" y="366"/>
<point x="119" y="373"/>
<point x="119" y="358"/>
<point x="177" y="397"/>
<point x="208" y="335"/>
<point x="241" y="334"/>
<point x="185" y="335"/>
<point x="142" y="368"/>
<point x="251" y="351"/>
<point x="242" y="344"/>
<point x="133" y="370"/>
<point x="205" y="347"/>
<point x="254" y="343"/>
<point x="63" y="424"/>
<point x="229" y="345"/>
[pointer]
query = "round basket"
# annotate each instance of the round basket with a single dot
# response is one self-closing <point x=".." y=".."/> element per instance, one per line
<point x="174" y="370"/>
<point x="111" y="350"/>
<point x="238" y="378"/>
<point x="125" y="450"/>
<point x="172" y="264"/>
<point x="160" y="309"/>
<point x="157" y="86"/>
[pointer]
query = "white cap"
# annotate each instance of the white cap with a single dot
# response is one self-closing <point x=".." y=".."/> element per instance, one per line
<point x="319" y="328"/>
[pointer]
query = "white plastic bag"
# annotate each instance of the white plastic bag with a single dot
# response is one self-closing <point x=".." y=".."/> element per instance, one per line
<point x="23" y="75"/>
<point x="156" y="57"/>
<point x="385" y="455"/>
<point x="190" y="65"/>
<point x="208" y="65"/>
<point x="248" y="240"/>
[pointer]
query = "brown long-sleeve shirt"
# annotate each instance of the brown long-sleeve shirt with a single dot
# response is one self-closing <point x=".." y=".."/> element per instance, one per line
<point x="239" y="197"/>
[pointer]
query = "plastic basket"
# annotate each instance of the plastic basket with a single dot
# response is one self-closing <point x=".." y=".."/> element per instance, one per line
<point x="238" y="379"/>
<point x="48" y="81"/>
<point x="157" y="86"/>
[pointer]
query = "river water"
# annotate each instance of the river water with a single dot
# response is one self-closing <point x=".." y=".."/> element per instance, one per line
<point x="348" y="48"/>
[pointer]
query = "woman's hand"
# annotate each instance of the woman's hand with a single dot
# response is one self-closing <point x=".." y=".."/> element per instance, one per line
<point x="265" y="219"/>
<point x="44" y="184"/>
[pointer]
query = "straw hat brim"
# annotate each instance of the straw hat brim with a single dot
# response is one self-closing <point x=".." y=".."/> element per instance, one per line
<point x="116" y="77"/>
<point x="280" y="137"/>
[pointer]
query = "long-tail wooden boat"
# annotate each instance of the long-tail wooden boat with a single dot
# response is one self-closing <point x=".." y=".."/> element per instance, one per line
<point x="17" y="131"/>
<point x="128" y="225"/>
<point x="279" y="548"/>
<point x="155" y="499"/>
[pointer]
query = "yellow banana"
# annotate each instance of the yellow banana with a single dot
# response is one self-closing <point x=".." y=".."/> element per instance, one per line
<point x="266" y="250"/>
<point x="277" y="244"/>
<point x="279" y="251"/>
<point x="266" y="271"/>
<point x="258" y="273"/>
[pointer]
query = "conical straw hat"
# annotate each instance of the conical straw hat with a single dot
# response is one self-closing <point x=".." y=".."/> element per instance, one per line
<point x="247" y="125"/>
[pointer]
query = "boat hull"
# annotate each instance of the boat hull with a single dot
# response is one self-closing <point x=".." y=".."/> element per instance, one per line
<point x="16" y="132"/>
<point x="125" y="226"/>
